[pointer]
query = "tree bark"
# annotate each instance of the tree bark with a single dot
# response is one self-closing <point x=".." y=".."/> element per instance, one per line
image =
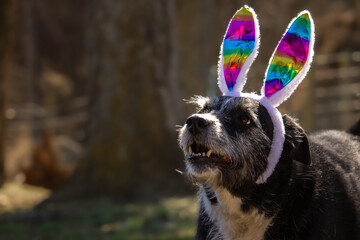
<point x="5" y="22"/>
<point x="132" y="82"/>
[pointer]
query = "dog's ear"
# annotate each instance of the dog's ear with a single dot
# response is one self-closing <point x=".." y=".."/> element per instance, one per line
<point x="302" y="150"/>
<point x="296" y="137"/>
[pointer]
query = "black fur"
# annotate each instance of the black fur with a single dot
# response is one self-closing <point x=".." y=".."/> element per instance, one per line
<point x="317" y="196"/>
<point x="355" y="129"/>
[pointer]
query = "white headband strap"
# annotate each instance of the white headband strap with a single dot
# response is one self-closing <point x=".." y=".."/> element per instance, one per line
<point x="278" y="133"/>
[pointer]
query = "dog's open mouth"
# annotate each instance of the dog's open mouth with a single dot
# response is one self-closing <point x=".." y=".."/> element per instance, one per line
<point x="199" y="152"/>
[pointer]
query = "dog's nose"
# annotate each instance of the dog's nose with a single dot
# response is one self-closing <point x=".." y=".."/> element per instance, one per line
<point x="196" y="124"/>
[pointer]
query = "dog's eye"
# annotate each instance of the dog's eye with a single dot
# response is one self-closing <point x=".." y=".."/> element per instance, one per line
<point x="244" y="119"/>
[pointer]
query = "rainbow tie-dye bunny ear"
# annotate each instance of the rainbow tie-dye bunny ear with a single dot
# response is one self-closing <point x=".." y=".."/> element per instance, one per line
<point x="238" y="50"/>
<point x="291" y="60"/>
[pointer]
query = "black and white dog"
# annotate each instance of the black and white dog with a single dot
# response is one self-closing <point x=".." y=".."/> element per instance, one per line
<point x="314" y="192"/>
<point x="260" y="175"/>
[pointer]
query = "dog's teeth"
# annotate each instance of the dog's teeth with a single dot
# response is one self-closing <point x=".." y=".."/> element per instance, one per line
<point x="208" y="153"/>
<point x="190" y="150"/>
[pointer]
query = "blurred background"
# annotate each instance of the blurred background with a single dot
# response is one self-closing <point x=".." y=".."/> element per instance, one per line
<point x="91" y="92"/>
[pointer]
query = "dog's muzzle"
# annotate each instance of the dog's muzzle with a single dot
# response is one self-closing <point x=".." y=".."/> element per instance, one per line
<point x="197" y="151"/>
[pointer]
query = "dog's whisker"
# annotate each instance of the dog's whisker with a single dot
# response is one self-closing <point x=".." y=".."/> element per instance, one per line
<point x="178" y="171"/>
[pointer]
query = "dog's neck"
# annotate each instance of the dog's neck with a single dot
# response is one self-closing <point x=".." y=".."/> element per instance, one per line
<point x="231" y="221"/>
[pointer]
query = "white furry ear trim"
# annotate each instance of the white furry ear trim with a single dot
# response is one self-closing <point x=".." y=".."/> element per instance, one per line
<point x="238" y="50"/>
<point x="291" y="60"/>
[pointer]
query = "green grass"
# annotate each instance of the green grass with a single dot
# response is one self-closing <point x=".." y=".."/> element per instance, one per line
<point x="172" y="218"/>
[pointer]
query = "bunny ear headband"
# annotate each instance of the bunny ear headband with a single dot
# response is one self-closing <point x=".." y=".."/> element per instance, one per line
<point x="287" y="68"/>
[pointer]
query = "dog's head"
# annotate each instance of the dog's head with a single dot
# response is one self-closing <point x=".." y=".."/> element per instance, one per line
<point x="229" y="139"/>
<point x="242" y="136"/>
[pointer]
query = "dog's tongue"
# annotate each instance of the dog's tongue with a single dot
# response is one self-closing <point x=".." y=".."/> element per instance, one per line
<point x="226" y="159"/>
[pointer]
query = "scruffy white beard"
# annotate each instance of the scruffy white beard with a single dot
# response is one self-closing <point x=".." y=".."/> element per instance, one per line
<point x="208" y="176"/>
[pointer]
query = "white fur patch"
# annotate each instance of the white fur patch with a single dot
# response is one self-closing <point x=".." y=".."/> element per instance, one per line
<point x="232" y="222"/>
<point x="208" y="176"/>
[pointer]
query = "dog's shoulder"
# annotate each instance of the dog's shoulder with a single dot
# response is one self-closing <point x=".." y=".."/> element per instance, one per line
<point x="338" y="150"/>
<point x="331" y="184"/>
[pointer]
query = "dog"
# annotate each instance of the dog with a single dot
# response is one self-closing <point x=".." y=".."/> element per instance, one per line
<point x="314" y="192"/>
<point x="310" y="191"/>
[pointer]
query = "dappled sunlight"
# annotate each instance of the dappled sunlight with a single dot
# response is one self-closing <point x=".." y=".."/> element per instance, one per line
<point x="16" y="196"/>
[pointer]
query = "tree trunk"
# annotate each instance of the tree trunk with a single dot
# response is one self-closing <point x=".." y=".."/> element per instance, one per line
<point x="5" y="21"/>
<point x="132" y="82"/>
